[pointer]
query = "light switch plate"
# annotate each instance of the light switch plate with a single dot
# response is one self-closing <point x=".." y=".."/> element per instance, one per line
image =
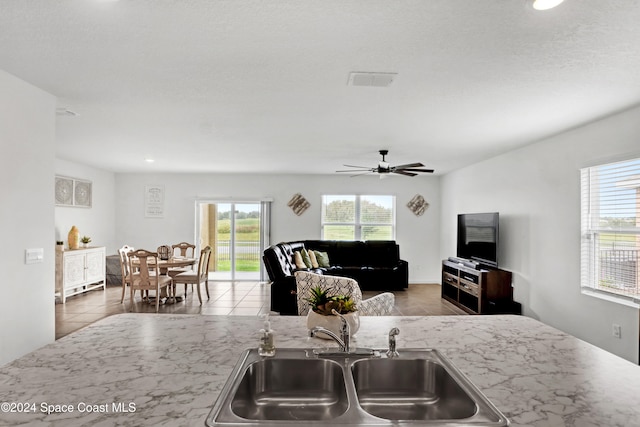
<point x="33" y="255"/>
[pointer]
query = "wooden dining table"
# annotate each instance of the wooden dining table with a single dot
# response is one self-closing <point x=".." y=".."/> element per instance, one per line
<point x="165" y="264"/>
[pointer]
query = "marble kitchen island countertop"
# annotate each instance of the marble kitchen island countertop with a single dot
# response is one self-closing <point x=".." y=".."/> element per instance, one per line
<point x="167" y="370"/>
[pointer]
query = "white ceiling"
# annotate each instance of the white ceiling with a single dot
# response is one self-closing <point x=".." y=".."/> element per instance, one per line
<point x="261" y="85"/>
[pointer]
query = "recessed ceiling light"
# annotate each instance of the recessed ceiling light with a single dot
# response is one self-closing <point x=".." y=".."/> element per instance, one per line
<point x="544" y="4"/>
<point x="149" y="160"/>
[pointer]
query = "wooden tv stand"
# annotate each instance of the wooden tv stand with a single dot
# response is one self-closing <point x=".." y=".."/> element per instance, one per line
<point x="484" y="291"/>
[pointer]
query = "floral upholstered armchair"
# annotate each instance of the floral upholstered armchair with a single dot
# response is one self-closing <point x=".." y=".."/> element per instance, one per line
<point x="379" y="305"/>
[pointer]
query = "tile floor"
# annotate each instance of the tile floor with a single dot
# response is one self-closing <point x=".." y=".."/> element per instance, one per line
<point x="227" y="298"/>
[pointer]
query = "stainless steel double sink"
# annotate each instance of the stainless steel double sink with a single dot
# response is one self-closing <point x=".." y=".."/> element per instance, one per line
<point x="300" y="387"/>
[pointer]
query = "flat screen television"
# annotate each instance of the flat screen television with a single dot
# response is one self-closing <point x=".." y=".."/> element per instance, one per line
<point x="478" y="237"/>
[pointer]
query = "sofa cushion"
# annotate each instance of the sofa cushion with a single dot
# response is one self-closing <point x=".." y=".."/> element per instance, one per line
<point x="314" y="260"/>
<point x="306" y="258"/>
<point x="327" y="246"/>
<point x="349" y="254"/>
<point x="381" y="253"/>
<point x="323" y="259"/>
<point x="298" y="261"/>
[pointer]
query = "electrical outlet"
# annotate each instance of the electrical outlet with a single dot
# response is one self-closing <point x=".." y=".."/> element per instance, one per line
<point x="617" y="331"/>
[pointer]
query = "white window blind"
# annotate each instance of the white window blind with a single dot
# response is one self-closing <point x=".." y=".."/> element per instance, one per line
<point x="357" y="217"/>
<point x="610" y="226"/>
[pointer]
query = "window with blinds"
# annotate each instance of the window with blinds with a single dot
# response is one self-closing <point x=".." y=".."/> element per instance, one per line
<point x="354" y="217"/>
<point x="610" y="226"/>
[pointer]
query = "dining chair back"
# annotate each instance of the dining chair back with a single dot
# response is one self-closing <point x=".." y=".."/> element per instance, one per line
<point x="125" y="271"/>
<point x="201" y="275"/>
<point x="148" y="277"/>
<point x="183" y="249"/>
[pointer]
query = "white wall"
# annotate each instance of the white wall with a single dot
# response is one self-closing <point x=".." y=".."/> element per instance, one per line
<point x="537" y="191"/>
<point x="418" y="237"/>
<point x="97" y="222"/>
<point x="27" y="130"/>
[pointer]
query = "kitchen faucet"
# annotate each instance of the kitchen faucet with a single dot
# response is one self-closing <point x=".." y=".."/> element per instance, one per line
<point x="344" y="340"/>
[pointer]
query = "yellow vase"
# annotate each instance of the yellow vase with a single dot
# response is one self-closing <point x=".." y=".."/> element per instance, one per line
<point x="74" y="238"/>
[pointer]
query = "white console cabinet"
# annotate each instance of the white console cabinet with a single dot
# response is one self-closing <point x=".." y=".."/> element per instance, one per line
<point x="79" y="270"/>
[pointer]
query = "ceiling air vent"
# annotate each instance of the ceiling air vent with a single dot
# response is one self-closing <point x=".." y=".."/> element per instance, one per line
<point x="371" y="79"/>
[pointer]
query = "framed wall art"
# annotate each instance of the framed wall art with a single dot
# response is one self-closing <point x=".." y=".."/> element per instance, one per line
<point x="154" y="201"/>
<point x="82" y="193"/>
<point x="64" y="191"/>
<point x="298" y="204"/>
<point x="418" y="205"/>
<point x="73" y="192"/>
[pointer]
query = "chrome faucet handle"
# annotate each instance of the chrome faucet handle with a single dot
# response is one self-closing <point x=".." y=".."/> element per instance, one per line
<point x="392" y="343"/>
<point x="345" y="331"/>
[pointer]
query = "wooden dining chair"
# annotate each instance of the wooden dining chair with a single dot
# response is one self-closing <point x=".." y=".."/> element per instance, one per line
<point x="183" y="249"/>
<point x="196" y="277"/>
<point x="147" y="278"/>
<point x="125" y="268"/>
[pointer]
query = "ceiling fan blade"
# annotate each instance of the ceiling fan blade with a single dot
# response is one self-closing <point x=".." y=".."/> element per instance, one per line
<point x="353" y="166"/>
<point x="358" y="174"/>
<point x="418" y="170"/>
<point x="403" y="172"/>
<point x="409" y="165"/>
<point x="356" y="170"/>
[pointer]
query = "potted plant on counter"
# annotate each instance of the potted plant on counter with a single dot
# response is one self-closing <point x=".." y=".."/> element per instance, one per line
<point x="85" y="241"/>
<point x="322" y="304"/>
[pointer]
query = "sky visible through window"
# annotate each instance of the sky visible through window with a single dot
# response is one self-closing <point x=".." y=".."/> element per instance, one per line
<point x="383" y="201"/>
<point x="618" y="200"/>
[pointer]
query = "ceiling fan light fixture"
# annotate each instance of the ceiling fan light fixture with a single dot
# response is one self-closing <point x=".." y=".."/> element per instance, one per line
<point x="544" y="4"/>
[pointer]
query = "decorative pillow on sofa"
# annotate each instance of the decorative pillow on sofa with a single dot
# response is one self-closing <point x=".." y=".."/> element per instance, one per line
<point x="298" y="261"/>
<point x="312" y="257"/>
<point x="323" y="259"/>
<point x="305" y="258"/>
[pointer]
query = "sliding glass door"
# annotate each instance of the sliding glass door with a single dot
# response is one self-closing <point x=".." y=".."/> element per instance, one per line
<point x="237" y="233"/>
